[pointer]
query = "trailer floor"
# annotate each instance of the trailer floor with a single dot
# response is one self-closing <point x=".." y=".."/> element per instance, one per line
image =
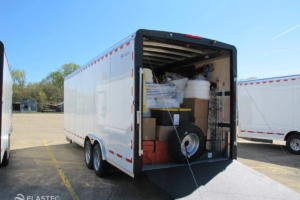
<point x="219" y="180"/>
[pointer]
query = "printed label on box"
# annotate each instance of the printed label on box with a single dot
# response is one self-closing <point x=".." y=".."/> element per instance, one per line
<point x="176" y="119"/>
<point x="209" y="155"/>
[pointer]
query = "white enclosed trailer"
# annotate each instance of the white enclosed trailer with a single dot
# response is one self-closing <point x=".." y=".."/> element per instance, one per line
<point x="269" y="109"/>
<point x="6" y="112"/>
<point x="103" y="98"/>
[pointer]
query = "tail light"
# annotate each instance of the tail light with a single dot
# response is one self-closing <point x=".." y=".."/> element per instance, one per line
<point x="193" y="36"/>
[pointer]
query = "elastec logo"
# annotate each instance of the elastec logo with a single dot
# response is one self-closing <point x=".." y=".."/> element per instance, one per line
<point x="125" y="54"/>
<point x="22" y="197"/>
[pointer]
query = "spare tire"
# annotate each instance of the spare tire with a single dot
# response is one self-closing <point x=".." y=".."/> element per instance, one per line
<point x="188" y="144"/>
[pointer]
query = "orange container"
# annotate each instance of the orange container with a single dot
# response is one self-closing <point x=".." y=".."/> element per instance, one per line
<point x="148" y="153"/>
<point x="162" y="153"/>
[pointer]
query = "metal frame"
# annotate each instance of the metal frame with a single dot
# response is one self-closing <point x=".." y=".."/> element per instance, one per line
<point x="161" y="56"/>
<point x="1" y="86"/>
<point x="215" y="49"/>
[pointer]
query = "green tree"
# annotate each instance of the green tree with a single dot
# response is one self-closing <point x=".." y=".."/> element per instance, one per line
<point x="67" y="69"/>
<point x="19" y="77"/>
<point x="19" y="92"/>
<point x="57" y="78"/>
<point x="49" y="91"/>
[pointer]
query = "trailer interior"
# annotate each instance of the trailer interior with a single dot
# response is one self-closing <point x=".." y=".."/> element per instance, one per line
<point x="189" y="60"/>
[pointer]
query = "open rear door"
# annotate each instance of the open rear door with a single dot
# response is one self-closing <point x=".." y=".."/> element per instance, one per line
<point x="228" y="179"/>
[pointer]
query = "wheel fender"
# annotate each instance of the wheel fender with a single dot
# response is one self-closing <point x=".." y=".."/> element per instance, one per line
<point x="93" y="138"/>
<point x="290" y="133"/>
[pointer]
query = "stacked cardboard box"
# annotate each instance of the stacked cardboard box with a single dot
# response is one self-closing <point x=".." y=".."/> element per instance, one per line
<point x="199" y="113"/>
<point x="163" y="133"/>
<point x="149" y="131"/>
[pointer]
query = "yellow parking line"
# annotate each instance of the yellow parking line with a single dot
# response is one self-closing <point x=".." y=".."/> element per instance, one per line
<point x="61" y="173"/>
<point x="25" y="121"/>
<point x="36" y="160"/>
<point x="62" y="162"/>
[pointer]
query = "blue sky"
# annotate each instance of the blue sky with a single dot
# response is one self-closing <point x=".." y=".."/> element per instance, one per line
<point x="41" y="36"/>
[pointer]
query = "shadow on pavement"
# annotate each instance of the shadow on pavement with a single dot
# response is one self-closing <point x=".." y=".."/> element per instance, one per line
<point x="179" y="182"/>
<point x="268" y="153"/>
<point x="31" y="172"/>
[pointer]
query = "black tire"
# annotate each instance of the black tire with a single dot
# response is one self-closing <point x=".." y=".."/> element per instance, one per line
<point x="293" y="143"/>
<point x="171" y="140"/>
<point x="88" y="154"/>
<point x="101" y="167"/>
<point x="192" y="138"/>
<point x="5" y="160"/>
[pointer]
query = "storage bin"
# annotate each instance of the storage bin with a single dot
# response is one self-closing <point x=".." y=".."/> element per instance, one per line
<point x="178" y="116"/>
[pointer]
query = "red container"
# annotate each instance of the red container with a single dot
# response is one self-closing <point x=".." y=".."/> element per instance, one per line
<point x="155" y="153"/>
<point x="162" y="153"/>
<point x="148" y="153"/>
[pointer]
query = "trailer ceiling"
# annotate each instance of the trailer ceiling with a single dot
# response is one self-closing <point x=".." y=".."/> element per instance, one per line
<point x="169" y="54"/>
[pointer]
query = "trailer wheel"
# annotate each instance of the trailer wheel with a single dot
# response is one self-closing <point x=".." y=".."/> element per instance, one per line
<point x="5" y="160"/>
<point x="88" y="154"/>
<point x="173" y="138"/>
<point x="293" y="143"/>
<point x="191" y="143"/>
<point x="101" y="167"/>
<point x="6" y="156"/>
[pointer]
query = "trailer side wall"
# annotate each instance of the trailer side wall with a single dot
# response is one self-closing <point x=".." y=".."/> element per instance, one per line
<point x="6" y="121"/>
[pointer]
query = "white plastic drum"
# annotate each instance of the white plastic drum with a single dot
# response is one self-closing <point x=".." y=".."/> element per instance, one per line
<point x="197" y="89"/>
<point x="198" y="83"/>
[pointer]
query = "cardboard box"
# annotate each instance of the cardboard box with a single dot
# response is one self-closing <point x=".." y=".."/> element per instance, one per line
<point x="163" y="133"/>
<point x="149" y="126"/>
<point x="199" y="107"/>
<point x="201" y="122"/>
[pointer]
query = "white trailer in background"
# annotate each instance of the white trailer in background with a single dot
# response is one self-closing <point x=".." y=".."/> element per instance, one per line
<point x="270" y="109"/>
<point x="6" y="115"/>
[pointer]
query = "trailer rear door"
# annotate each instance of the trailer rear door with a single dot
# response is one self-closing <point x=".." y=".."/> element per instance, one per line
<point x="121" y="97"/>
